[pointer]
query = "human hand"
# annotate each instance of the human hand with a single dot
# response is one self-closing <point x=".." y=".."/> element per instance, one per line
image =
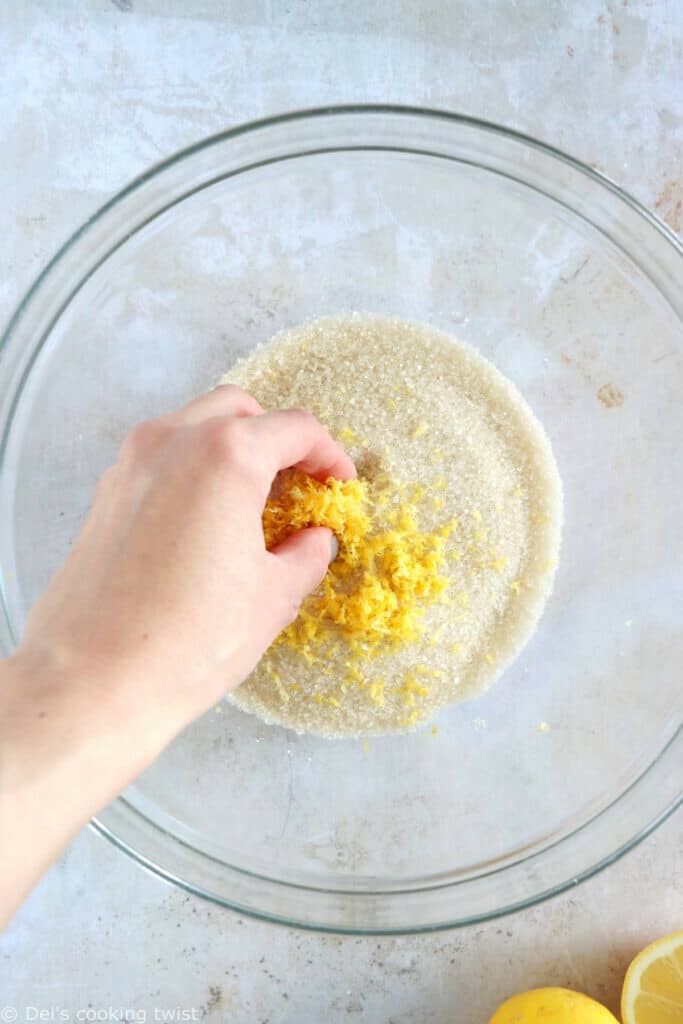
<point x="169" y="593"/>
<point x="166" y="601"/>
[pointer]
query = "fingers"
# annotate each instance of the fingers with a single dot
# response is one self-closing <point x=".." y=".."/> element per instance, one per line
<point x="225" y="400"/>
<point x="300" y="564"/>
<point x="294" y="437"/>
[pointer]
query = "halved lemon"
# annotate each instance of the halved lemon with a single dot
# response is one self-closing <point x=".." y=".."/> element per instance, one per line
<point x="552" y="1006"/>
<point x="653" y="987"/>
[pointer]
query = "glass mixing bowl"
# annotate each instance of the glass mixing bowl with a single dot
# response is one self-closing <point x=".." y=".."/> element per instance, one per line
<point x="576" y="293"/>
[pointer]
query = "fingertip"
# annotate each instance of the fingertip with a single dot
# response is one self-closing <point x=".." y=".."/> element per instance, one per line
<point x="347" y="469"/>
<point x="339" y="471"/>
<point x="344" y="469"/>
<point x="304" y="557"/>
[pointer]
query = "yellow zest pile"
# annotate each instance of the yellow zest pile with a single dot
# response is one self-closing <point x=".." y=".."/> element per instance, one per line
<point x="385" y="576"/>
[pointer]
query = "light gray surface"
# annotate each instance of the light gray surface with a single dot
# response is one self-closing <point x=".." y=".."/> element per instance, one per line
<point x="91" y="94"/>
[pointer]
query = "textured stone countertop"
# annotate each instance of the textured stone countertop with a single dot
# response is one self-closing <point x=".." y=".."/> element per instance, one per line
<point x="93" y="91"/>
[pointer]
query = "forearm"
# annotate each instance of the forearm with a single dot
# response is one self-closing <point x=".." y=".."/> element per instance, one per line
<point x="67" y="746"/>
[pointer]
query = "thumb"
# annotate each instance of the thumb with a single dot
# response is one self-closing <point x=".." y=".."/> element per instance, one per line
<point x="302" y="562"/>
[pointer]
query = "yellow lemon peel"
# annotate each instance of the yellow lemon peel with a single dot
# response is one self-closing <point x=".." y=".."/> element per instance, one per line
<point x="376" y="591"/>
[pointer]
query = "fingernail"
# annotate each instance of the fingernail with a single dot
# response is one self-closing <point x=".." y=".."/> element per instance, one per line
<point x="334" y="548"/>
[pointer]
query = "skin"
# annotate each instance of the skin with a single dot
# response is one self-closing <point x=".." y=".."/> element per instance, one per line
<point x="167" y="601"/>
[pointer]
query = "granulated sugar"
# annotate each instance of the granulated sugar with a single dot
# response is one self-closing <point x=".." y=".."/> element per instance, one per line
<point x="428" y="420"/>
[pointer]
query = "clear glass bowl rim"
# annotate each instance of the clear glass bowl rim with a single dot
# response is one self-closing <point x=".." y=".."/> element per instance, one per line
<point x="353" y="911"/>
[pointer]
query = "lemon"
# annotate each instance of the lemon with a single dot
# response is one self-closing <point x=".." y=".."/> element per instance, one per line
<point x="653" y="987"/>
<point x="551" y="1006"/>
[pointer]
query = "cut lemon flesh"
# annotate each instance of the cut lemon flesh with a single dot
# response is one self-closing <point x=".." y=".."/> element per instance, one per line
<point x="653" y="987"/>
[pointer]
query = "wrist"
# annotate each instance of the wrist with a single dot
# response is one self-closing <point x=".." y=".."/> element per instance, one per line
<point x="61" y="760"/>
<point x="72" y="719"/>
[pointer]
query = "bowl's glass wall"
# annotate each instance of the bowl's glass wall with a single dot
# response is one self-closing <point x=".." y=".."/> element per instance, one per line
<point x="587" y="335"/>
